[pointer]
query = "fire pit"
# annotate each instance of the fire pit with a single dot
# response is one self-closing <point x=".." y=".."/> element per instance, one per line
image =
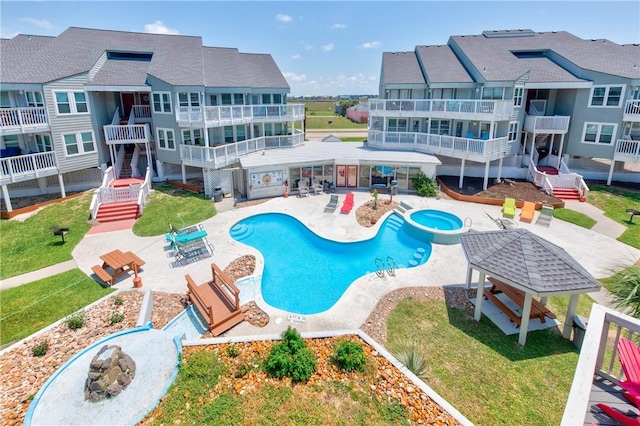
<point x="110" y="372"/>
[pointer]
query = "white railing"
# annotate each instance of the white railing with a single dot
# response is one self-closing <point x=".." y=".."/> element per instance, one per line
<point x="546" y="123"/>
<point x="144" y="191"/>
<point x="23" y="119"/>
<point x="599" y="355"/>
<point x="141" y="112"/>
<point x="228" y="154"/>
<point x="108" y="177"/>
<point x="563" y="180"/>
<point x="30" y="166"/>
<point x="435" y="106"/>
<point x="563" y="166"/>
<point x="136" y="133"/>
<point x="134" y="162"/>
<point x="237" y="114"/>
<point x="627" y="150"/>
<point x="632" y="107"/>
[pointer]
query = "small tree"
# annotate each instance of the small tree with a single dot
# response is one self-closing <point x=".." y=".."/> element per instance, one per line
<point x="374" y="194"/>
<point x="626" y="290"/>
<point x="425" y="186"/>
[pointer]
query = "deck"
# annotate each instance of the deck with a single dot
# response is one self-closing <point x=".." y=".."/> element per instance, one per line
<point x="605" y="391"/>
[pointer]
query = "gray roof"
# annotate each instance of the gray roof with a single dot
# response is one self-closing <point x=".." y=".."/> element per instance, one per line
<point x="441" y="65"/>
<point x="401" y="68"/>
<point x="344" y="152"/>
<point x="492" y="56"/>
<point x="530" y="262"/>
<point x="121" y="73"/>
<point x="229" y="68"/>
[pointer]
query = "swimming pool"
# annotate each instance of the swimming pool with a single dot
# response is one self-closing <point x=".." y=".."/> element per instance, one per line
<point x="307" y="274"/>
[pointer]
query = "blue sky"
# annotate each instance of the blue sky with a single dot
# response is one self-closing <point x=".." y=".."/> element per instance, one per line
<point x="326" y="47"/>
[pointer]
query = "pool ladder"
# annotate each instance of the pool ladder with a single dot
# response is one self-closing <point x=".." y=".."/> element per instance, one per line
<point x="389" y="266"/>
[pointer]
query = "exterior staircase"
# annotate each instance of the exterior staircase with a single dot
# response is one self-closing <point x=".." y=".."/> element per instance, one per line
<point x="125" y="170"/>
<point x="566" y="194"/>
<point x="118" y="211"/>
<point x="548" y="170"/>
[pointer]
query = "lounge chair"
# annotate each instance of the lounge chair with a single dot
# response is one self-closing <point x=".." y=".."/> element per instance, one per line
<point x="629" y="354"/>
<point x="509" y="208"/>
<point x="316" y="187"/>
<point x="303" y="188"/>
<point x="332" y="204"/>
<point x="545" y="216"/>
<point x="527" y="212"/>
<point x="347" y="205"/>
<point x="196" y="250"/>
<point x="182" y="231"/>
<point x="185" y="238"/>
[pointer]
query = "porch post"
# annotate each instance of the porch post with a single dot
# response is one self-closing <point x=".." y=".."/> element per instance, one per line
<point x="461" y="174"/>
<point x="206" y="136"/>
<point x="486" y="175"/>
<point x="500" y="168"/>
<point x="533" y="144"/>
<point x="479" y="295"/>
<point x="571" y="311"/>
<point x="543" y="300"/>
<point x="613" y="163"/>
<point x="7" y="199"/>
<point x="524" y="323"/>
<point x="560" y="151"/>
<point x="469" y="276"/>
<point x="553" y="139"/>
<point x="184" y="173"/>
<point x="61" y="182"/>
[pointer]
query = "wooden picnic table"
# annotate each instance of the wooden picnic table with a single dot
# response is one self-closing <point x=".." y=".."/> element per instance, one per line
<point x="538" y="310"/>
<point x="121" y="263"/>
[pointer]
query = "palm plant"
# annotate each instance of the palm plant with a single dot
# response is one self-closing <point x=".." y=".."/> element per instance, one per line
<point x="408" y="353"/>
<point x="626" y="290"/>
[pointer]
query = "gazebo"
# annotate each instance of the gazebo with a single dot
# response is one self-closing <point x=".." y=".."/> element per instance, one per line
<point x="529" y="263"/>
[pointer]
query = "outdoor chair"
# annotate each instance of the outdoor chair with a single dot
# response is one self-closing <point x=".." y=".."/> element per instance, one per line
<point x="303" y="188"/>
<point x="527" y="212"/>
<point x="545" y="216"/>
<point x="186" y="238"/>
<point x="509" y="208"/>
<point x="186" y="253"/>
<point x="332" y="205"/>
<point x="347" y="205"/>
<point x="183" y="231"/>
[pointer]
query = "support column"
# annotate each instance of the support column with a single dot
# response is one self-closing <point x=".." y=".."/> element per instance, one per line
<point x="160" y="167"/>
<point x="571" y="312"/>
<point x="61" y="182"/>
<point x="500" y="168"/>
<point x="524" y="324"/>
<point x="206" y="136"/>
<point x="469" y="276"/>
<point x="184" y="174"/>
<point x="533" y="145"/>
<point x="560" y="150"/>
<point x="479" y="297"/>
<point x="553" y="139"/>
<point x="543" y="300"/>
<point x="613" y="163"/>
<point x="461" y="174"/>
<point x="7" y="199"/>
<point x="485" y="183"/>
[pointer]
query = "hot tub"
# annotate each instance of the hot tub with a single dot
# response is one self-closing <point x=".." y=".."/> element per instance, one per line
<point x="434" y="226"/>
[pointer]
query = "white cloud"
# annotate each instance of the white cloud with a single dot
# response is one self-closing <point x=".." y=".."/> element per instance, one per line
<point x="296" y="56"/>
<point x="284" y="18"/>
<point x="371" y="45"/>
<point x="291" y="76"/>
<point x="342" y="84"/>
<point x="338" y="27"/>
<point x="159" y="28"/>
<point x="306" y="46"/>
<point x="42" y="23"/>
<point x="328" y="47"/>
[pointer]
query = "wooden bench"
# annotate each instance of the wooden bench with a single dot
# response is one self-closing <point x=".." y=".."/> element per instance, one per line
<point x="538" y="310"/>
<point x="103" y="275"/>
<point x="136" y="260"/>
<point x="218" y="301"/>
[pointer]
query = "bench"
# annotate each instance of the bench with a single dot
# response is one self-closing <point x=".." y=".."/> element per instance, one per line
<point x="103" y="275"/>
<point x="632" y="213"/>
<point x="218" y="301"/>
<point x="59" y="231"/>
<point x="538" y="310"/>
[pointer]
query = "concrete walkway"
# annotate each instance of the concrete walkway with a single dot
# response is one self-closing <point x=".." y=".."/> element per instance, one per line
<point x="604" y="225"/>
<point x="38" y="274"/>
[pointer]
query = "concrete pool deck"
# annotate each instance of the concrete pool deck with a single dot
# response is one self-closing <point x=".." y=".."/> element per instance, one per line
<point x="598" y="253"/>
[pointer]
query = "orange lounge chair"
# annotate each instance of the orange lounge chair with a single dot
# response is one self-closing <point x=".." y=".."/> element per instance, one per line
<point x="527" y="212"/>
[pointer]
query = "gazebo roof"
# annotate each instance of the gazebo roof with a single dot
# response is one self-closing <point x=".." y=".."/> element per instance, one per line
<point x="527" y="261"/>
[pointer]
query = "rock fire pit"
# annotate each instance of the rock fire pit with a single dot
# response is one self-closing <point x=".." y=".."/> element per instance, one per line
<point x="110" y="372"/>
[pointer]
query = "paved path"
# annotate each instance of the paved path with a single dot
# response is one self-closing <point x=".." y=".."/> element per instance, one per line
<point x="38" y="275"/>
<point x="604" y="225"/>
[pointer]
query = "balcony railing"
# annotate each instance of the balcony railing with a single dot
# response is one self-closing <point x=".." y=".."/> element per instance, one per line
<point x="547" y="124"/>
<point x="447" y="108"/>
<point x="136" y="133"/>
<point x="627" y="150"/>
<point x="23" y="120"/>
<point x="450" y="146"/>
<point x="142" y="113"/>
<point x="228" y="154"/>
<point x="27" y="167"/>
<point x="632" y="110"/>
<point x="229" y="115"/>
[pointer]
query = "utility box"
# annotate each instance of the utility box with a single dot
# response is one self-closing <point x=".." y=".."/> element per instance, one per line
<point x="579" y="329"/>
<point x="393" y="190"/>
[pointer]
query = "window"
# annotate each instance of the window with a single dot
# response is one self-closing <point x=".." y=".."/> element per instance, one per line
<point x="241" y="133"/>
<point x="226" y="99"/>
<point x="43" y="142"/>
<point x="192" y="137"/>
<point x="228" y="133"/>
<point x="34" y="99"/>
<point x="278" y="129"/>
<point x="397" y="125"/>
<point x="606" y="96"/>
<point x="518" y="92"/>
<point x="601" y="133"/>
<point x="213" y="100"/>
<point x="277" y="98"/>
<point x="71" y="103"/>
<point x="266" y="99"/>
<point x="238" y="99"/>
<point x="189" y="99"/>
<point x="513" y="131"/>
<point x="161" y="102"/>
<point x="492" y="92"/>
<point x="78" y="143"/>
<point x="166" y="139"/>
<point x="439" y="127"/>
<point x="255" y="100"/>
<point x="11" y="141"/>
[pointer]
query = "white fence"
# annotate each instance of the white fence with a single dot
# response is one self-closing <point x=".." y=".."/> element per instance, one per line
<point x="135" y="133"/>
<point x="454" y="106"/>
<point x="23" y="118"/>
<point x="632" y="107"/>
<point x="237" y="114"/>
<point x="546" y="123"/>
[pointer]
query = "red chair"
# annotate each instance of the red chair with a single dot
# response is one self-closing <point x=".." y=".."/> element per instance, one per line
<point x="347" y="205"/>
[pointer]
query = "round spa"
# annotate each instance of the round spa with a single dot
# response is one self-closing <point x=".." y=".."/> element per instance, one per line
<point x="434" y="226"/>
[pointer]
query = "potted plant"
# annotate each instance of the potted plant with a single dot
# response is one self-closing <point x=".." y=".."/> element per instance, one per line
<point x="286" y="188"/>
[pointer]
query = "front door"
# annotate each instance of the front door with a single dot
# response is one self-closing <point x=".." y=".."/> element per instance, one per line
<point x="128" y="99"/>
<point x="346" y="176"/>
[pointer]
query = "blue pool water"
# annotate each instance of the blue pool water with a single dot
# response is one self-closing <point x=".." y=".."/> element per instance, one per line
<point x="307" y="274"/>
<point x="437" y="219"/>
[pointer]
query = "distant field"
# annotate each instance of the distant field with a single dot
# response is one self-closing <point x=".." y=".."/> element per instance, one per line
<point x="320" y="108"/>
<point x="332" y="123"/>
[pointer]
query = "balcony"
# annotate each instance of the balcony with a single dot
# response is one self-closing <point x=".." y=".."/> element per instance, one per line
<point x="136" y="133"/>
<point x="549" y="124"/>
<point x="450" y="146"/>
<point x="461" y="109"/>
<point x="231" y="115"/>
<point x="15" y="121"/>
<point x="27" y="167"/>
<point x="598" y="370"/>
<point x="632" y="111"/>
<point x="627" y="150"/>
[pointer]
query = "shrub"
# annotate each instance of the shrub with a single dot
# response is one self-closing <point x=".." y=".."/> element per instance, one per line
<point x="292" y="339"/>
<point x="409" y="355"/>
<point x="424" y="186"/>
<point x="279" y="361"/>
<point x="76" y="320"/>
<point x="626" y="290"/>
<point x="349" y="356"/>
<point x="303" y="365"/>
<point x="40" y="349"/>
<point x="233" y="350"/>
<point x="242" y="370"/>
<point x="118" y="301"/>
<point x="116" y="318"/>
<point x="291" y="357"/>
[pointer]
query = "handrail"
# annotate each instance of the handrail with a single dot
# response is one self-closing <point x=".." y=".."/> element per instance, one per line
<point x="632" y="106"/>
<point x="238" y="114"/>
<point x="115" y="120"/>
<point x="134" y="162"/>
<point x="24" y="117"/>
<point x="379" y="267"/>
<point x="144" y="190"/>
<point x="130" y="133"/>
<point x="628" y="147"/>
<point x="460" y="106"/>
<point x="391" y="266"/>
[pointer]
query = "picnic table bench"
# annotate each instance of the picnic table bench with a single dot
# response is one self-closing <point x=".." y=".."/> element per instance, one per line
<point x="120" y="263"/>
<point x="538" y="310"/>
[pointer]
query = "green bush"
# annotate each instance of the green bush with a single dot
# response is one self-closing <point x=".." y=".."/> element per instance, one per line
<point x="116" y="317"/>
<point x="625" y="287"/>
<point x="424" y="186"/>
<point x="409" y="355"/>
<point x="349" y="356"/>
<point x="232" y="350"/>
<point x="75" y="321"/>
<point x="279" y="361"/>
<point x="303" y="365"/>
<point x="118" y="301"/>
<point x="292" y="339"/>
<point x="40" y="349"/>
<point x="291" y="357"/>
<point x="242" y="370"/>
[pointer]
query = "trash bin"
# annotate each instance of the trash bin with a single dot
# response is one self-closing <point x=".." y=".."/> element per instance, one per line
<point x="218" y="195"/>
<point x="394" y="187"/>
<point x="579" y="329"/>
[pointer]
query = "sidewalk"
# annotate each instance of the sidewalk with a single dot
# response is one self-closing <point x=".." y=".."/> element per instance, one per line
<point x="604" y="225"/>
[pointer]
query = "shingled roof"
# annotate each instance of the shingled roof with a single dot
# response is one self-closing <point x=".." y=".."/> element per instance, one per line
<point x="532" y="263"/>
<point x="401" y="68"/>
<point x="441" y="65"/>
<point x="226" y="67"/>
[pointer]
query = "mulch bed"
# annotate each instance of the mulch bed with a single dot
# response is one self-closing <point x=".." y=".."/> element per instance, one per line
<point x="520" y="190"/>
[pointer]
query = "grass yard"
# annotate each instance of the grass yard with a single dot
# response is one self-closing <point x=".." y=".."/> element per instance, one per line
<point x="482" y="372"/>
<point x="33" y="306"/>
<point x="320" y="108"/>
<point x="614" y="202"/>
<point x="169" y="204"/>
<point x="332" y="123"/>
<point x="30" y="245"/>
<point x="574" y="217"/>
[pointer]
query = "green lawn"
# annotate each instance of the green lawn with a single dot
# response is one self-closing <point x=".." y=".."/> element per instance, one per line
<point x="33" y="306"/>
<point x="484" y="373"/>
<point x="30" y="245"/>
<point x="574" y="217"/>
<point x="320" y="108"/>
<point x="332" y="123"/>
<point x="614" y="202"/>
<point x="181" y="209"/>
